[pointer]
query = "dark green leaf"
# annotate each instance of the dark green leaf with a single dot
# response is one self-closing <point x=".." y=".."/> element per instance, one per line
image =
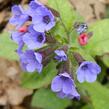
<point x="105" y="59"/>
<point x="35" y="80"/>
<point x="102" y="75"/>
<point x="46" y="99"/>
<point x="88" y="106"/>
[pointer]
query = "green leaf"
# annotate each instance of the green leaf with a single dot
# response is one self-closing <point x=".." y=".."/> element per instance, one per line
<point x="58" y="30"/>
<point x="35" y="80"/>
<point x="45" y="98"/>
<point x="7" y="47"/>
<point x="99" y="95"/>
<point x="67" y="17"/>
<point x="88" y="106"/>
<point x="99" y="43"/>
<point x="83" y="53"/>
<point x="105" y="59"/>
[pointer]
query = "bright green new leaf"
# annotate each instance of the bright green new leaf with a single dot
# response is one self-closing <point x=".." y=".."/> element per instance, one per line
<point x="7" y="47"/>
<point x="46" y="99"/>
<point x="36" y="80"/>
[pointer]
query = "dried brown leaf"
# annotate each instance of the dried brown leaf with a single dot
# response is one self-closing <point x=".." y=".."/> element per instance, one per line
<point x="91" y="10"/>
<point x="10" y="90"/>
<point x="16" y="94"/>
<point x="104" y="1"/>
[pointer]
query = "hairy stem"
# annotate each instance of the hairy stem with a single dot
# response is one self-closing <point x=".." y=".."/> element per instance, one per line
<point x="78" y="57"/>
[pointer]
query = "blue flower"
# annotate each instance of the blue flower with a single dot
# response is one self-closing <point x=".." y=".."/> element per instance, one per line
<point x="34" y="39"/>
<point x="33" y="5"/>
<point x="60" y="55"/>
<point x="43" y="19"/>
<point x="64" y="86"/>
<point x="88" y="71"/>
<point x="17" y="37"/>
<point x="19" y="17"/>
<point x="31" y="61"/>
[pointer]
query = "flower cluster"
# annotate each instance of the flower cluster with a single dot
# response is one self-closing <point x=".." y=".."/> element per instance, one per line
<point x="31" y="27"/>
<point x="63" y="84"/>
<point x="33" y="36"/>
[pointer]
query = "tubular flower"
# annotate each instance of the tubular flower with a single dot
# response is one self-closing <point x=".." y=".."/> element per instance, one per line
<point x="88" y="71"/>
<point x="31" y="61"/>
<point x="43" y="19"/>
<point x="60" y="55"/>
<point x="34" y="39"/>
<point x="19" y="17"/>
<point x="64" y="86"/>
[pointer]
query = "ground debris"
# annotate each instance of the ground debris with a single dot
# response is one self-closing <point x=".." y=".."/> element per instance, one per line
<point x="104" y="1"/>
<point x="10" y="90"/>
<point x="91" y="10"/>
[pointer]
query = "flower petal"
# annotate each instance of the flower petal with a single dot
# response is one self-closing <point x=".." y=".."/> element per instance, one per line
<point x="90" y="77"/>
<point x="65" y="74"/>
<point x="56" y="85"/>
<point x="40" y="27"/>
<point x="39" y="67"/>
<point x="16" y="10"/>
<point x="17" y="37"/>
<point x="95" y="68"/>
<point x="29" y="42"/>
<point x="67" y="86"/>
<point x="80" y="75"/>
<point x="61" y="94"/>
<point x="30" y="67"/>
<point x="38" y="57"/>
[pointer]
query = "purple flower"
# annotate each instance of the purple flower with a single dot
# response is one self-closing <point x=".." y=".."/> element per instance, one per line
<point x="33" y="5"/>
<point x="33" y="39"/>
<point x="19" y="17"/>
<point x="17" y="37"/>
<point x="64" y="86"/>
<point x="31" y="61"/>
<point x="43" y="19"/>
<point x="60" y="55"/>
<point x="88" y="71"/>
